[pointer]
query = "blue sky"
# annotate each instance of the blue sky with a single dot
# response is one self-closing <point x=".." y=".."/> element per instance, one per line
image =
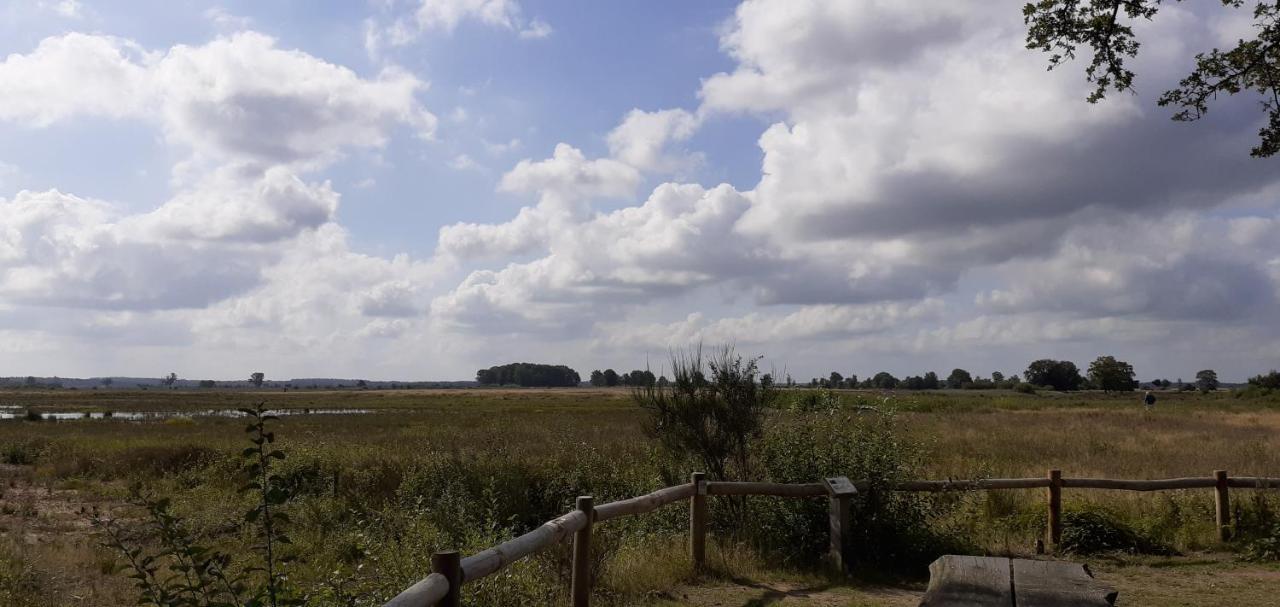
<point x="418" y="188"/>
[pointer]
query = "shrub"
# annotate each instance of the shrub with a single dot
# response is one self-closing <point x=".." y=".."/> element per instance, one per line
<point x="1024" y="388"/>
<point x="710" y="419"/>
<point x="891" y="529"/>
<point x="1095" y="532"/>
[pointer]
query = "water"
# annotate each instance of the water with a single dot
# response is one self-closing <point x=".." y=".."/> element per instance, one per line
<point x="11" y="412"/>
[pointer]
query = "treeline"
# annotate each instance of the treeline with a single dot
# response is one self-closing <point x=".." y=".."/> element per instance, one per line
<point x="609" y="377"/>
<point x="528" y="375"/>
<point x="1105" y="373"/>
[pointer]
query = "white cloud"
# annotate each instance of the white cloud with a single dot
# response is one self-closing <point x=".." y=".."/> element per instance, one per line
<point x="238" y="98"/>
<point x="569" y="177"/>
<point x="221" y="18"/>
<point x="642" y="138"/>
<point x="463" y="162"/>
<point x="536" y="30"/>
<point x="71" y="9"/>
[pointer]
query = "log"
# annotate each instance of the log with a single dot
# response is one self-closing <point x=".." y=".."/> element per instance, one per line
<point x="644" y="503"/>
<point x="774" y="489"/>
<point x="1058" y="584"/>
<point x="969" y="580"/>
<point x="1151" y="485"/>
<point x="428" y="591"/>
<point x="1253" y="482"/>
<point x="494" y="559"/>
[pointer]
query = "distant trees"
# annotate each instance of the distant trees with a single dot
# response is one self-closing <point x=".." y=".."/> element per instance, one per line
<point x="597" y="378"/>
<point x="528" y="375"/>
<point x="208" y="383"/>
<point x="639" y="378"/>
<point x="835" y="380"/>
<point x="1269" y="381"/>
<point x="930" y="381"/>
<point x="107" y="381"/>
<point x="1111" y="375"/>
<point x="884" y="381"/>
<point x="1206" y="380"/>
<point x="1060" y="375"/>
<point x="256" y="378"/>
<point x="958" y="378"/>
<point x="610" y="377"/>
<point x="169" y="380"/>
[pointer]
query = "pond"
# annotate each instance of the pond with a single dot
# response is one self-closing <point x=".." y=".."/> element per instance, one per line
<point x="14" y="412"/>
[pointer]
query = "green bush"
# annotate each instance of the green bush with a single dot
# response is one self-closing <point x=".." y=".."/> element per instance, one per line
<point x="1096" y="532"/>
<point x="891" y="530"/>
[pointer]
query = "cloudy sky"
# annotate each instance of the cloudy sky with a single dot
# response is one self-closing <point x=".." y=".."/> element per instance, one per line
<point x="412" y="189"/>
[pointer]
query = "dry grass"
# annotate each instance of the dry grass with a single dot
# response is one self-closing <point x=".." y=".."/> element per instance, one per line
<point x="970" y="435"/>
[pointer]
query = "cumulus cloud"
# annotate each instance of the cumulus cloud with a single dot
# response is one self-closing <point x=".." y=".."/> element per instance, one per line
<point x="642" y="138"/>
<point x="911" y="151"/>
<point x="447" y="15"/>
<point x="237" y="98"/>
<point x="255" y="119"/>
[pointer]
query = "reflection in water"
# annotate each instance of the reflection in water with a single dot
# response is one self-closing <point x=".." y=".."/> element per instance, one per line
<point x="16" y="412"/>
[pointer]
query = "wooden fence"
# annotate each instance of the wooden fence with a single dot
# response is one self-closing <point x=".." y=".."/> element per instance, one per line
<point x="449" y="571"/>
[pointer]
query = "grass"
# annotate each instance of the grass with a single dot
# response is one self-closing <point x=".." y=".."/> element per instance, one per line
<point x="466" y="469"/>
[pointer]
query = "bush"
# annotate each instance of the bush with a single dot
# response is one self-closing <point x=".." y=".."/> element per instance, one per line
<point x="891" y="529"/>
<point x="1024" y="388"/>
<point x="1095" y="532"/>
<point x="711" y="413"/>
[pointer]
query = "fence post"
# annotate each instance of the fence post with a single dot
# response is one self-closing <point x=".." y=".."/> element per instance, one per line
<point x="1223" y="503"/>
<point x="581" y="583"/>
<point x="839" y="492"/>
<point x="1055" y="508"/>
<point x="449" y="564"/>
<point x="698" y="521"/>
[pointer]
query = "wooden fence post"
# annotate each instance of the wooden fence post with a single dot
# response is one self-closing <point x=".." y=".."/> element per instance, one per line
<point x="840" y="491"/>
<point x="1055" y="508"/>
<point x="1223" y="503"/>
<point x="449" y="564"/>
<point x="581" y="583"/>
<point x="698" y="521"/>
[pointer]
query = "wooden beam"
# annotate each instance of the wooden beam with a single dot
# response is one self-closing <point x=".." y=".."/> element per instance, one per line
<point x="969" y="580"/>
<point x="494" y="559"/>
<point x="644" y="503"/>
<point x="1145" y="485"/>
<point x="774" y="489"/>
<point x="1058" y="584"/>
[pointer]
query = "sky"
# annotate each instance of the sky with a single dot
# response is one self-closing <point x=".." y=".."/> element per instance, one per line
<point x="415" y="189"/>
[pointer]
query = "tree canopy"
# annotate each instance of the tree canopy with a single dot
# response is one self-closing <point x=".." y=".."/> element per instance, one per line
<point x="1060" y="375"/>
<point x="1112" y="375"/>
<point x="1059" y="27"/>
<point x="528" y="375"/>
<point x="1207" y="380"/>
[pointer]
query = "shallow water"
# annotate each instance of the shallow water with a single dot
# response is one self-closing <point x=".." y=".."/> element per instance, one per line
<point x="11" y="412"/>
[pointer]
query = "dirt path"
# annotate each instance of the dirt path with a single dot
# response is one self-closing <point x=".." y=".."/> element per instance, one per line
<point x="748" y="593"/>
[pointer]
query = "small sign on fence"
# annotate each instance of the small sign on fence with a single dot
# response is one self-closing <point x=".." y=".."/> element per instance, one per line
<point x="839" y="486"/>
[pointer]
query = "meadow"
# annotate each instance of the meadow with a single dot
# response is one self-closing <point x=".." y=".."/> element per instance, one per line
<point x="372" y="495"/>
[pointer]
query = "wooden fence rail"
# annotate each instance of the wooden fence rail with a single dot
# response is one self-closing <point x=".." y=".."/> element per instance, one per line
<point x="449" y="572"/>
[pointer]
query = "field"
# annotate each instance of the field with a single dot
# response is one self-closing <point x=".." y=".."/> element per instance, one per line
<point x="375" y="493"/>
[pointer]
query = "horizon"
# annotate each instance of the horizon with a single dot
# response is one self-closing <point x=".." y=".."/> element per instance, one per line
<point x="407" y="188"/>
